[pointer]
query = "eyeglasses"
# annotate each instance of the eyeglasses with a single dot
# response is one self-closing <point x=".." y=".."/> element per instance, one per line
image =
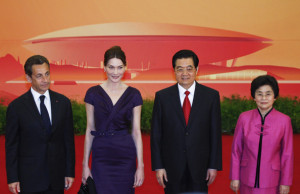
<point x="261" y="95"/>
<point x="180" y="70"/>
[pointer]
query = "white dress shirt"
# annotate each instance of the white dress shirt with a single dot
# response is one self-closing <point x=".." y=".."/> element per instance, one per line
<point x="47" y="101"/>
<point x="190" y="96"/>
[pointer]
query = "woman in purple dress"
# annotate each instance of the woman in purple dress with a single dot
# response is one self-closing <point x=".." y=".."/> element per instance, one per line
<point x="113" y="109"/>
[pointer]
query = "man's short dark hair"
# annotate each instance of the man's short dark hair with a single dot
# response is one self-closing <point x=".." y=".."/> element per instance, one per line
<point x="183" y="54"/>
<point x="34" y="60"/>
<point x="264" y="80"/>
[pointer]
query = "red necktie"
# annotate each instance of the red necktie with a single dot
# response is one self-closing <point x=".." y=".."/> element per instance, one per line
<point x="186" y="107"/>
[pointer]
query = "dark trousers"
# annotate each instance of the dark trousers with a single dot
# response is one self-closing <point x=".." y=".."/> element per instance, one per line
<point x="186" y="185"/>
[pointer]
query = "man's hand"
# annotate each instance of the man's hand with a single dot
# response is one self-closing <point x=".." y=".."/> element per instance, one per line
<point x="211" y="175"/>
<point x="284" y="189"/>
<point x="68" y="182"/>
<point x="235" y="185"/>
<point x="14" y="187"/>
<point x="161" y="175"/>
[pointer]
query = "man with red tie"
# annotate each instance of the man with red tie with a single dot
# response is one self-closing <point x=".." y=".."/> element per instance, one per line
<point x="186" y="146"/>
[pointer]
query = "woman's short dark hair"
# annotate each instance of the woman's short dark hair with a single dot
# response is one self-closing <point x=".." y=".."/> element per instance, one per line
<point x="183" y="54"/>
<point x="34" y="60"/>
<point x="114" y="52"/>
<point x="264" y="80"/>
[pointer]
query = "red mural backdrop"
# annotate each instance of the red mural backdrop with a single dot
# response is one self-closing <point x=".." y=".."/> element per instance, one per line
<point x="235" y="41"/>
<point x="229" y="59"/>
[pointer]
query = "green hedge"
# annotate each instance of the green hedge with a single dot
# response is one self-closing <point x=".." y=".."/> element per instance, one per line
<point x="146" y="115"/>
<point x="2" y="118"/>
<point x="230" y="111"/>
<point x="79" y="117"/>
<point x="290" y="107"/>
<point x="231" y="108"/>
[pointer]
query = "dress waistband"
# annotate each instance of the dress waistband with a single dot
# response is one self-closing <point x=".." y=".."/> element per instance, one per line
<point x="108" y="133"/>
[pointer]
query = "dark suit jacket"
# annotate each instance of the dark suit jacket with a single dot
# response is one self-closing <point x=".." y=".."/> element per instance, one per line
<point x="175" y="145"/>
<point x="33" y="157"/>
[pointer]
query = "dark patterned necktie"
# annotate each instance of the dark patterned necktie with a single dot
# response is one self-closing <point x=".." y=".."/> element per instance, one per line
<point x="45" y="115"/>
<point x="186" y="107"/>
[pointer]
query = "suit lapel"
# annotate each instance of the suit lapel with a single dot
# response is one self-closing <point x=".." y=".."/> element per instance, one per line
<point x="177" y="105"/>
<point x="196" y="106"/>
<point x="54" y="109"/>
<point x="31" y="106"/>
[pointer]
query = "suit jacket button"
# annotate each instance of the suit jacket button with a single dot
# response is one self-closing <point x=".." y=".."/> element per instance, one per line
<point x="184" y="151"/>
<point x="186" y="133"/>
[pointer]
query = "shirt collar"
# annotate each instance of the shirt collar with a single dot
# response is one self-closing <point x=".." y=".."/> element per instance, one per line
<point x="191" y="89"/>
<point x="36" y="95"/>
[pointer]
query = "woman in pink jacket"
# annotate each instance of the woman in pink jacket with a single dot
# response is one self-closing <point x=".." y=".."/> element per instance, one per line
<point x="262" y="149"/>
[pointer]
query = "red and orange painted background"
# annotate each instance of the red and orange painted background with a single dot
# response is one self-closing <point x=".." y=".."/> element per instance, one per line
<point x="235" y="41"/>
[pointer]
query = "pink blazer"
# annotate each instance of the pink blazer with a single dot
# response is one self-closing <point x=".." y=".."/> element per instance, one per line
<point x="276" y="166"/>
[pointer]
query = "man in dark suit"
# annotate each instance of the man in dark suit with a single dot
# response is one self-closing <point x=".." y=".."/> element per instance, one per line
<point x="186" y="147"/>
<point x="39" y="142"/>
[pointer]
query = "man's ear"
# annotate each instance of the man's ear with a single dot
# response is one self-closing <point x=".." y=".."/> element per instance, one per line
<point x="28" y="78"/>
